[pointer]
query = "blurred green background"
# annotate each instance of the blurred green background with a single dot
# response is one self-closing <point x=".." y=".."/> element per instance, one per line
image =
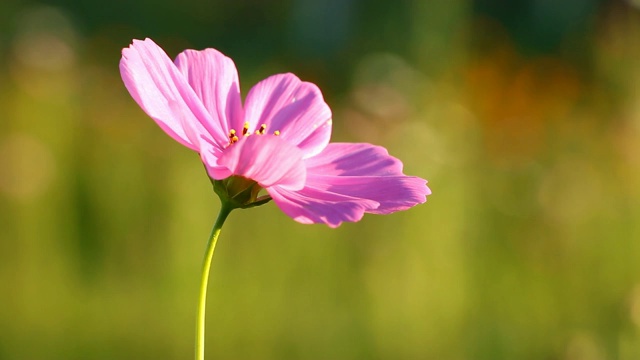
<point x="523" y="115"/>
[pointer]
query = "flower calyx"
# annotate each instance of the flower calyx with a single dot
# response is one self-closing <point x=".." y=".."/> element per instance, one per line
<point x="239" y="192"/>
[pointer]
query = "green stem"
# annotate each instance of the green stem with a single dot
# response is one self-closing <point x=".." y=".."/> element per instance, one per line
<point x="206" y="265"/>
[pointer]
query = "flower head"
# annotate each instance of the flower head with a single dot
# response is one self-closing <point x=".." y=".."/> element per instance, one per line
<point x="278" y="141"/>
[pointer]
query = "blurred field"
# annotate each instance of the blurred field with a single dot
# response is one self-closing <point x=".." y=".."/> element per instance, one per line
<point x="524" y="116"/>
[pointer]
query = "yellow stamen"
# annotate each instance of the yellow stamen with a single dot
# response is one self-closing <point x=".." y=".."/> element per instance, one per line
<point x="262" y="129"/>
<point x="232" y="136"/>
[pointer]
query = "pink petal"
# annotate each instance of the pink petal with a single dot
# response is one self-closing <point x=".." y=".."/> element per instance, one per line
<point x="214" y="78"/>
<point x="312" y="206"/>
<point x="294" y="108"/>
<point x="209" y="157"/>
<point x="347" y="180"/>
<point x="268" y="160"/>
<point x="392" y="193"/>
<point x="368" y="172"/>
<point x="163" y="93"/>
<point x="354" y="159"/>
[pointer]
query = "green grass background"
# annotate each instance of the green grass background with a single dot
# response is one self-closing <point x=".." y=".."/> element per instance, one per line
<point x="524" y="116"/>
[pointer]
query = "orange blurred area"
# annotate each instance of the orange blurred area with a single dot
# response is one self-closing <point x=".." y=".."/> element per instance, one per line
<point x="517" y="100"/>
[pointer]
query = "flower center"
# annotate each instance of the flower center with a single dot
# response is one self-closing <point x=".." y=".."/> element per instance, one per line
<point x="233" y="137"/>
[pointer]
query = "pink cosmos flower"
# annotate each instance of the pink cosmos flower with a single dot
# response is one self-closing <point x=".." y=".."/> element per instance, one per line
<point x="279" y="140"/>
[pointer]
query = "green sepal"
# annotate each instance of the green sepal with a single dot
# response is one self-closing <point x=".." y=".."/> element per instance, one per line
<point x="239" y="192"/>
